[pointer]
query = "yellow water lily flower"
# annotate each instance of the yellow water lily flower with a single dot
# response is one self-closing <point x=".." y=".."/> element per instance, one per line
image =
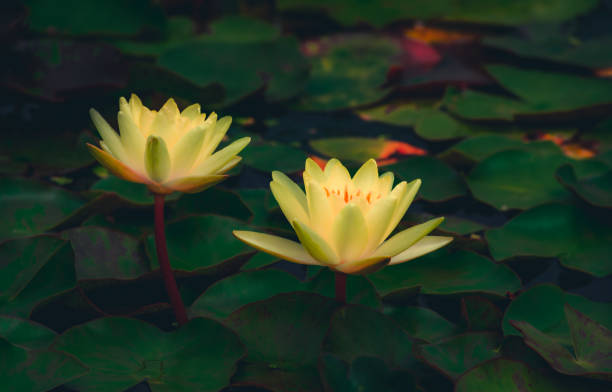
<point x="342" y="222"/>
<point x="168" y="150"/>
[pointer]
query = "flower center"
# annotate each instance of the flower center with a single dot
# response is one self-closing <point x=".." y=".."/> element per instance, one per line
<point x="348" y="196"/>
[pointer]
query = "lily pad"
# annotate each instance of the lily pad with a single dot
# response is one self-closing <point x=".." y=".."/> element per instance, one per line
<point x="269" y="157"/>
<point x="123" y="352"/>
<point x="475" y="105"/>
<point x="595" y="188"/>
<point x="480" y="314"/>
<point x="443" y="272"/>
<point x="578" y="236"/>
<point x="36" y="371"/>
<point x="519" y="178"/>
<point x="30" y="208"/>
<point x="477" y="148"/>
<point x="350" y="73"/>
<point x="359" y="290"/>
<point x="458" y="354"/>
<point x="506" y="375"/>
<point x="440" y="182"/>
<point x="25" y="333"/>
<point x="213" y="201"/>
<point x="105" y="254"/>
<point x="201" y="243"/>
<point x="592" y="344"/>
<point x="542" y="307"/>
<point x="349" y="337"/>
<point x="421" y="323"/>
<point x="114" y="17"/>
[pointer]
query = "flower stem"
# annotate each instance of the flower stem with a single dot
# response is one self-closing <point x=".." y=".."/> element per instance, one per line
<point x="164" y="262"/>
<point x="340" y="286"/>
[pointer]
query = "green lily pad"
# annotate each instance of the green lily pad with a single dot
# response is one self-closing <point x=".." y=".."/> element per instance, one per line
<point x="421" y="323"/>
<point x="283" y="337"/>
<point x="350" y="337"/>
<point x="519" y="178"/>
<point x="365" y="374"/>
<point x="130" y="191"/>
<point x="358" y="289"/>
<point x="595" y="188"/>
<point x="105" y="254"/>
<point x="176" y="30"/>
<point x="458" y="354"/>
<point x="269" y="157"/>
<point x="578" y="236"/>
<point x="354" y="149"/>
<point x="25" y="333"/>
<point x="201" y="243"/>
<point x="30" y="208"/>
<point x="56" y="275"/>
<point x="239" y="28"/>
<point x="592" y="344"/>
<point x="112" y="17"/>
<point x="504" y="375"/>
<point x="443" y="272"/>
<point x="349" y="73"/>
<point x="266" y="213"/>
<point x="480" y="314"/>
<point x="549" y="92"/>
<point x="277" y="65"/>
<point x="440" y="181"/>
<point x="123" y="352"/>
<point x="542" y="307"/>
<point x="213" y="201"/>
<point x="22" y="259"/>
<point x="477" y="148"/>
<point x="36" y="371"/>
<point x="228" y="295"/>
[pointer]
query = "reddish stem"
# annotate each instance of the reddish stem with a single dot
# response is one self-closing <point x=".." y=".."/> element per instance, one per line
<point x="340" y="286"/>
<point x="164" y="262"/>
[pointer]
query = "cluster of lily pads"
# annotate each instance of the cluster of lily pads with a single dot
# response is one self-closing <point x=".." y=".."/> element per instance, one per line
<point x="501" y="110"/>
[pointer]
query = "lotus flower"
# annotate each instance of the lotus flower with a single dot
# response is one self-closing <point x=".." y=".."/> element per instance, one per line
<point x="166" y="150"/>
<point x="342" y="222"/>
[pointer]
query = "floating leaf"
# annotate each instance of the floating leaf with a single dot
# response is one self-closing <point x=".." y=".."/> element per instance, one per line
<point x="440" y="182"/>
<point x="360" y="149"/>
<point x="475" y="105"/>
<point x="578" y="236"/>
<point x="30" y="208"/>
<point x="477" y="148"/>
<point x="266" y="157"/>
<point x="358" y="289"/>
<point x="595" y="188"/>
<point x="542" y="307"/>
<point x="480" y="313"/>
<point x="123" y="352"/>
<point x="443" y="272"/>
<point x="421" y="323"/>
<point x="458" y="354"/>
<point x="25" y="333"/>
<point x="214" y="201"/>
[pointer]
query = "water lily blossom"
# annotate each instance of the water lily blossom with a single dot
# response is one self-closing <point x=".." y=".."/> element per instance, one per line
<point x="168" y="150"/>
<point x="343" y="222"/>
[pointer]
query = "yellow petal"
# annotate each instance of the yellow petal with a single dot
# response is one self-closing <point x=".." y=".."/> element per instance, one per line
<point x="125" y="106"/>
<point x="230" y="165"/>
<point x="319" y="209"/>
<point x="132" y="139"/>
<point x="194" y="184"/>
<point x="157" y="159"/>
<point x="115" y="166"/>
<point x="350" y="233"/>
<point x="378" y="218"/>
<point x="366" y="177"/>
<point x="403" y="203"/>
<point x="276" y="246"/>
<point x="165" y="119"/>
<point x="187" y="150"/>
<point x="314" y="171"/>
<point x="336" y="173"/>
<point x="289" y="197"/>
<point x="385" y="183"/>
<point x="404" y="239"/>
<point x="215" y="137"/>
<point x="136" y="108"/>
<point x="108" y="134"/>
<point x="192" y="112"/>
<point x="315" y="245"/>
<point x="423" y="246"/>
<point x="220" y="158"/>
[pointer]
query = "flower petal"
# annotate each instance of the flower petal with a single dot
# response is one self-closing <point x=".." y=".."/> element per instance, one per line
<point x="115" y="166"/>
<point x="366" y="177"/>
<point x="315" y="245"/>
<point x="216" y="134"/>
<point x="378" y="220"/>
<point x="336" y="173"/>
<point x="366" y="265"/>
<point x="403" y="203"/>
<point x="350" y="233"/>
<point x="109" y="136"/>
<point x="165" y="119"/>
<point x="319" y="209"/>
<point x="404" y="239"/>
<point x="187" y="150"/>
<point x="229" y="165"/>
<point x="131" y="138"/>
<point x="135" y="108"/>
<point x="192" y="112"/>
<point x="313" y="170"/>
<point x="277" y="246"/>
<point x="194" y="184"/>
<point x="423" y="246"/>
<point x="385" y="183"/>
<point x="157" y="159"/>
<point x="290" y="197"/>
<point x="219" y="159"/>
